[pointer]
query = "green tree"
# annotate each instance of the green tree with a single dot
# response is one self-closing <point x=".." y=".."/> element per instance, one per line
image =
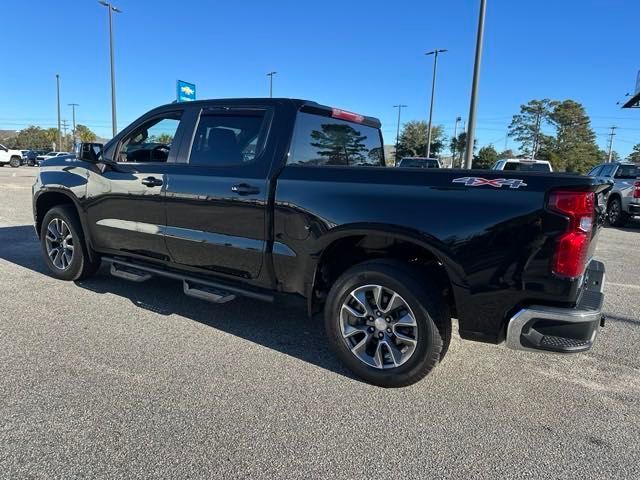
<point x="413" y="139"/>
<point x="634" y="156"/>
<point x="526" y="127"/>
<point x="575" y="141"/>
<point x="486" y="157"/>
<point x="603" y="156"/>
<point x="35" y="137"/>
<point x="506" y="154"/>
<point x="458" y="145"/>
<point x="84" y="134"/>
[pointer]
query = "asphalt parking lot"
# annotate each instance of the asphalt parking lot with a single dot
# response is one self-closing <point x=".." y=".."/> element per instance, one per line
<point x="106" y="378"/>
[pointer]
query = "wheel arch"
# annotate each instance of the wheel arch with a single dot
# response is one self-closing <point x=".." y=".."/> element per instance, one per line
<point x="47" y="199"/>
<point x="346" y="246"/>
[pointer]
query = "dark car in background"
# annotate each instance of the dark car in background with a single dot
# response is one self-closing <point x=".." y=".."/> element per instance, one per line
<point x="29" y="157"/>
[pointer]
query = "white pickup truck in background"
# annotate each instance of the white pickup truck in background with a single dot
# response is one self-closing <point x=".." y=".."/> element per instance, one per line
<point x="10" y="157"/>
<point x="523" y="165"/>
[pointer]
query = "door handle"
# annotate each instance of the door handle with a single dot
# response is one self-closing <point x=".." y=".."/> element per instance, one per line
<point x="151" y="182"/>
<point x="245" y="189"/>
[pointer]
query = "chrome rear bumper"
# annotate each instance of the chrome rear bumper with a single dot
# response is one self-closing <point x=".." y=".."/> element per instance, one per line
<point x="562" y="330"/>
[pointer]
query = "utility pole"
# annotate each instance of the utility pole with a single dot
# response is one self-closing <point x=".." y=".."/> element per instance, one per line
<point x="399" y="107"/>
<point x="611" y="135"/>
<point x="270" y="75"/>
<point x="73" y="117"/>
<point x="474" y="88"/>
<point x="433" y="93"/>
<point x="114" y="123"/>
<point x="58" y="97"/>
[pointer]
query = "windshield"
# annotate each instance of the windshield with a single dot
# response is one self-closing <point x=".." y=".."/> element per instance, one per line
<point x="527" y="167"/>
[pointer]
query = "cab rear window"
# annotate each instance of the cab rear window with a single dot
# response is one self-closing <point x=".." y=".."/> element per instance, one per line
<point x="326" y="141"/>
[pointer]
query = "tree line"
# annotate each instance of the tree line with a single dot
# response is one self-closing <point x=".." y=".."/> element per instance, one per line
<point x="38" y="138"/>
<point x="557" y="131"/>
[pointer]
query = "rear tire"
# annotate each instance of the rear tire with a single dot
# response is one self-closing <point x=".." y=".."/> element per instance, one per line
<point x="411" y="332"/>
<point x="615" y="215"/>
<point x="63" y="245"/>
<point x="15" y="162"/>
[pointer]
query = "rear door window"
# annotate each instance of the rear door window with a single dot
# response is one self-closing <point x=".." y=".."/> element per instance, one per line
<point x="326" y="141"/>
<point x="228" y="139"/>
<point x="628" y="172"/>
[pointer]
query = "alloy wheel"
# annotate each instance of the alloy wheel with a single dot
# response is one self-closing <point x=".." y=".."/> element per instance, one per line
<point x="378" y="326"/>
<point x="59" y="243"/>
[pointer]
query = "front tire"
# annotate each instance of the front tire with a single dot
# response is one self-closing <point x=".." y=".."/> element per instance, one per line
<point x="615" y="215"/>
<point x="15" y="162"/>
<point x="387" y="322"/>
<point x="63" y="246"/>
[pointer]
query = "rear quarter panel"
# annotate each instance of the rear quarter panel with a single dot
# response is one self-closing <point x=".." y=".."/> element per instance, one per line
<point x="496" y="243"/>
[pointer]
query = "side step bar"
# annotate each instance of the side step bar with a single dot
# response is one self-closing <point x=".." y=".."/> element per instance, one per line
<point x="203" y="292"/>
<point x="217" y="292"/>
<point x="128" y="273"/>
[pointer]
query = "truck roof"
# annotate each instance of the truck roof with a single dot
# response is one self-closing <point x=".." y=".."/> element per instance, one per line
<point x="297" y="102"/>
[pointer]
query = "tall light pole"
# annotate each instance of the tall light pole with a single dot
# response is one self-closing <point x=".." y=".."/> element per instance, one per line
<point x="399" y="107"/>
<point x="73" y="119"/>
<point x="59" y="146"/>
<point x="455" y="140"/>
<point x="611" y="135"/>
<point x="433" y="93"/>
<point x="471" y="132"/>
<point x="270" y="75"/>
<point x="114" y="125"/>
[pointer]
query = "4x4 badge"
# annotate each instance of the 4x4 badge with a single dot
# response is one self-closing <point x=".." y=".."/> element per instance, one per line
<point x="494" y="182"/>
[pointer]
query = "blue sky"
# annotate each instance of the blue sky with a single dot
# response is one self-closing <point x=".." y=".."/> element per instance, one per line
<point x="364" y="56"/>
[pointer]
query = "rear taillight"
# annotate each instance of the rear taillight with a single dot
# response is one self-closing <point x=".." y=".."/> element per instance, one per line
<point x="636" y="190"/>
<point x="570" y="257"/>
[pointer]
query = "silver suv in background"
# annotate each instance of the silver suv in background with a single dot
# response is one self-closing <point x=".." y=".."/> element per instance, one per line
<point x="623" y="200"/>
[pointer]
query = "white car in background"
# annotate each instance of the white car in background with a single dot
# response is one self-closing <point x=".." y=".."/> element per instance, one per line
<point x="47" y="156"/>
<point x="10" y="157"/>
<point x="523" y="165"/>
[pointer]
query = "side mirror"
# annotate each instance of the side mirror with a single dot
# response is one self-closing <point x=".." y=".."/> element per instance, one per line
<point x="89" y="152"/>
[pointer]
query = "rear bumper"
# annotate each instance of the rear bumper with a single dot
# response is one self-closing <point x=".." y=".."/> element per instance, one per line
<point x="561" y="330"/>
<point x="634" y="209"/>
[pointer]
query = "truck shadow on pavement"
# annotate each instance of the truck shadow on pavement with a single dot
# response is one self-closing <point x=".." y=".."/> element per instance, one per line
<point x="280" y="328"/>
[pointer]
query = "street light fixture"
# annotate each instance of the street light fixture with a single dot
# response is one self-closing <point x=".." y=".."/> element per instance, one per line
<point x="433" y="92"/>
<point x="399" y="107"/>
<point x="270" y="75"/>
<point x="112" y="9"/>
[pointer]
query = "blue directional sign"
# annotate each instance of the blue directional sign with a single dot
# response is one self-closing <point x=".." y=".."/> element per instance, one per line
<point x="186" y="92"/>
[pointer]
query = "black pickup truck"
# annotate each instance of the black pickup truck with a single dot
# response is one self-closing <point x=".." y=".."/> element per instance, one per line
<point x="273" y="198"/>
